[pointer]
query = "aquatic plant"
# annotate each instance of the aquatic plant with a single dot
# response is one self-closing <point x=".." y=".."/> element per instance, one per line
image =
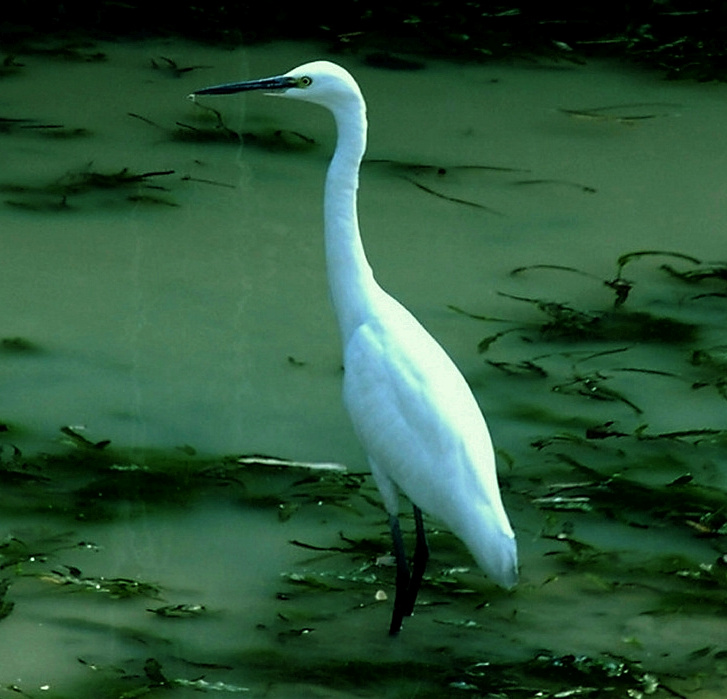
<point x="89" y="478"/>
<point x="10" y="66"/>
<point x="25" y="126"/>
<point x="420" y="175"/>
<point x="611" y="331"/>
<point x="683" y="41"/>
<point x="575" y="473"/>
<point x="6" y="606"/>
<point x="64" y="193"/>
<point x="172" y="68"/>
<point x="211" y="127"/>
<point x="116" y="588"/>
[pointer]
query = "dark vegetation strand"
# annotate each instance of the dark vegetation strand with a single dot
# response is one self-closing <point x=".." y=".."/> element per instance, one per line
<point x="686" y="39"/>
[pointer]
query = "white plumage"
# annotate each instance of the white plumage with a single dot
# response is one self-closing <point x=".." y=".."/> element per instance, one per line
<point x="412" y="410"/>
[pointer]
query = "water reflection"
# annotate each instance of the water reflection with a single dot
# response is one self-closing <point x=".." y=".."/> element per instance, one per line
<point x="190" y="309"/>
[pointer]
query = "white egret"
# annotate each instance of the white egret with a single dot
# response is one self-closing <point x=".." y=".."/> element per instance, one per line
<point x="412" y="410"/>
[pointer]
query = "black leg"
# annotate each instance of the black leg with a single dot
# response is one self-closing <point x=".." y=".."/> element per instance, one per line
<point x="418" y="564"/>
<point x="403" y="578"/>
<point x="407" y="582"/>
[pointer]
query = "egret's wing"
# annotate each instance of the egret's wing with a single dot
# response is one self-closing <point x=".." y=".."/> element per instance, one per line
<point x="423" y="431"/>
<point x="414" y="413"/>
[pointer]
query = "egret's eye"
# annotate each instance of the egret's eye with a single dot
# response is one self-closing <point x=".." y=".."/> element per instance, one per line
<point x="305" y="81"/>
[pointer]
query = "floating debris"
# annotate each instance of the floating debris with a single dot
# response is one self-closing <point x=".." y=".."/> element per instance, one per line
<point x="263" y="460"/>
<point x="79" y="440"/>
<point x="565" y="503"/>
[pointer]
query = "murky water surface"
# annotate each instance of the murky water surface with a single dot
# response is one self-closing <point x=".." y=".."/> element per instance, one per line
<point x="163" y="288"/>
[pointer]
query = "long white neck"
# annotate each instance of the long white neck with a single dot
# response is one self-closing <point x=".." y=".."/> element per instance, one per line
<point x="350" y="278"/>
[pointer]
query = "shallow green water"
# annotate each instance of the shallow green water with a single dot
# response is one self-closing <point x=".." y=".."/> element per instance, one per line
<point x="190" y="308"/>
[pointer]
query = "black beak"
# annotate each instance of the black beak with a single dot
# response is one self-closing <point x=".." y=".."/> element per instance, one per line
<point x="282" y="82"/>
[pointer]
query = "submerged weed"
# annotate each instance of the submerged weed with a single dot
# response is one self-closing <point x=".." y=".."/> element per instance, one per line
<point x="617" y="470"/>
<point x="143" y="677"/>
<point x="65" y="192"/>
<point x="618" y="325"/>
<point x="6" y="606"/>
<point x="211" y="127"/>
<point x="179" y="611"/>
<point x="91" y="480"/>
<point x="686" y="333"/>
<point x="26" y="126"/>
<point x="616" y="481"/>
<point x="116" y="588"/>
<point x="10" y="66"/>
<point x="170" y="67"/>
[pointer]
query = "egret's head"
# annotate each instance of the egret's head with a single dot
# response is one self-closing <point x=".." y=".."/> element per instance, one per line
<point x="320" y="82"/>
